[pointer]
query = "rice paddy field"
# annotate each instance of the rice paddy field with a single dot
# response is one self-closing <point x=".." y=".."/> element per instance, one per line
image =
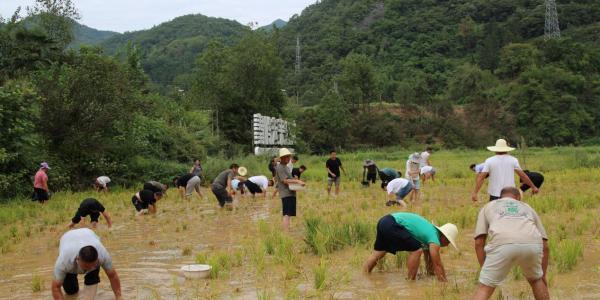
<point x="322" y="255"/>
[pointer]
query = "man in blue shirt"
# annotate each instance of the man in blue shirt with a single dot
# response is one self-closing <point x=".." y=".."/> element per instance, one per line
<point x="403" y="231"/>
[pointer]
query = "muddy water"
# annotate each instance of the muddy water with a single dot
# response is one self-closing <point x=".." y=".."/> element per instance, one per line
<point x="148" y="252"/>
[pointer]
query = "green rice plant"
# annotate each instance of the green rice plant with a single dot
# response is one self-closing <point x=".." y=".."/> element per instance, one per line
<point x="320" y="275"/>
<point x="401" y="259"/>
<point x="264" y="294"/>
<point x="566" y="254"/>
<point x="187" y="250"/>
<point x="36" y="284"/>
<point x="516" y="272"/>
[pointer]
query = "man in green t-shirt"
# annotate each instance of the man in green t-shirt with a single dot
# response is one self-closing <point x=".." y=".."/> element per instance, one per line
<point x="403" y="231"/>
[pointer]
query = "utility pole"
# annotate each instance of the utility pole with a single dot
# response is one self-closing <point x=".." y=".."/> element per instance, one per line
<point x="551" y="26"/>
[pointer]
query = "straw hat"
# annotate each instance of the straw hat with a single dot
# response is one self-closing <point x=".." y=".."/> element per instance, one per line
<point x="501" y="146"/>
<point x="450" y="231"/>
<point x="284" y="152"/>
<point x="242" y="171"/>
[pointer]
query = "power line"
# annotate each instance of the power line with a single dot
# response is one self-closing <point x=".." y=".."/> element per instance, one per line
<point x="551" y="26"/>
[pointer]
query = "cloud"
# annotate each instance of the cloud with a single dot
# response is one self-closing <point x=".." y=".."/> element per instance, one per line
<point x="130" y="15"/>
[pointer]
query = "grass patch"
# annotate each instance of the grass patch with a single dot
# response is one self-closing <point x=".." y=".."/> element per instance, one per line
<point x="566" y="254"/>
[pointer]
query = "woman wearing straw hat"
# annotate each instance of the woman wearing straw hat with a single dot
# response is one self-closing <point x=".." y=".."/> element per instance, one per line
<point x="284" y="178"/>
<point x="410" y="232"/>
<point x="500" y="168"/>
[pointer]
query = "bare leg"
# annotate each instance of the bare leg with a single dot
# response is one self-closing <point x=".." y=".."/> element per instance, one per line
<point x="372" y="261"/>
<point x="483" y="292"/>
<point x="94" y="224"/>
<point x="286" y="223"/>
<point x="337" y="190"/>
<point x="413" y="261"/>
<point x="540" y="289"/>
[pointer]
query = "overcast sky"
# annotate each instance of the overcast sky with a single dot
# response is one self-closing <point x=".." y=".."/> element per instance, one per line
<point x="130" y="15"/>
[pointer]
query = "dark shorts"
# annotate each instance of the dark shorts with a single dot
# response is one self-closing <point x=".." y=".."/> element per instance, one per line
<point x="393" y="237"/>
<point x="95" y="216"/>
<point x="221" y="194"/>
<point x="138" y="204"/>
<point x="253" y="187"/>
<point x="40" y="195"/>
<point x="71" y="285"/>
<point x="371" y="177"/>
<point x="492" y="198"/>
<point x="289" y="206"/>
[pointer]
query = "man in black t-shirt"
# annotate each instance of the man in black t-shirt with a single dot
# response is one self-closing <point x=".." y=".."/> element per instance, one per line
<point x="371" y="170"/>
<point x="187" y="184"/>
<point x="144" y="201"/>
<point x="155" y="186"/>
<point x="536" y="178"/>
<point x="93" y="208"/>
<point x="333" y="166"/>
<point x="297" y="172"/>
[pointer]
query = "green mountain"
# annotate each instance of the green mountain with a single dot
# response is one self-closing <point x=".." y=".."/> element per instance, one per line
<point x="420" y="41"/>
<point x="169" y="50"/>
<point x="84" y="35"/>
<point x="279" y="23"/>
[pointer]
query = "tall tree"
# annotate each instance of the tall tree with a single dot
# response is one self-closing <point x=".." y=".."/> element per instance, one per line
<point x="357" y="82"/>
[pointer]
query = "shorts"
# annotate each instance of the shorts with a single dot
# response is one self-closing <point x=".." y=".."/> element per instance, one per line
<point x="40" y="195"/>
<point x="192" y="184"/>
<point x="71" y="285"/>
<point x="331" y="181"/>
<point x="288" y="206"/>
<point x="253" y="187"/>
<point x="95" y="216"/>
<point x="416" y="183"/>
<point x="404" y="191"/>
<point x="372" y="177"/>
<point x="221" y="194"/>
<point x="139" y="205"/>
<point x="393" y="237"/>
<point x="492" y="198"/>
<point x="500" y="260"/>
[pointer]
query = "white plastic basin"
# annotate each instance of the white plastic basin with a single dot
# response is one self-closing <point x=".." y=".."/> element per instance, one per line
<point x="296" y="187"/>
<point x="196" y="271"/>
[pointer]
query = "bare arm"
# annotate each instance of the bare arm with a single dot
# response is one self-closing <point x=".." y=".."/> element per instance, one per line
<point x="545" y="259"/>
<point x="480" y="178"/>
<point x="108" y="219"/>
<point x="56" y="292"/>
<point x="291" y="180"/>
<point x="115" y="283"/>
<point x="330" y="173"/>
<point x="372" y="261"/>
<point x="527" y="181"/>
<point x="479" y="249"/>
<point x="436" y="259"/>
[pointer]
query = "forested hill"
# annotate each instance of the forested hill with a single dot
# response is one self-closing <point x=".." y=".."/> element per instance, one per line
<point x="84" y="35"/>
<point x="412" y="41"/>
<point x="170" y="49"/>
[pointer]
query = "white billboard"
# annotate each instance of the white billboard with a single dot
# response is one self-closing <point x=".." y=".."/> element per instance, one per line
<point x="271" y="133"/>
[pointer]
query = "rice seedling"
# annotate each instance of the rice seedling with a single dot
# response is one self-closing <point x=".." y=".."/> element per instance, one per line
<point x="187" y="250"/>
<point x="37" y="284"/>
<point x="566" y="254"/>
<point x="320" y="273"/>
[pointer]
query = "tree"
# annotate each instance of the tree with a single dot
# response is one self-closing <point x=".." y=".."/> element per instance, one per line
<point x="516" y="58"/>
<point x="56" y="18"/>
<point x="357" y="82"/>
<point x="334" y="121"/>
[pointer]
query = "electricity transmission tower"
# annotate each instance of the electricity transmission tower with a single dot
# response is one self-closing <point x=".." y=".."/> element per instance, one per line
<point x="551" y="28"/>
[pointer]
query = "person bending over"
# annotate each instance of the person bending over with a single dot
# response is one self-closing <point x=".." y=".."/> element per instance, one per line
<point x="93" y="208"/>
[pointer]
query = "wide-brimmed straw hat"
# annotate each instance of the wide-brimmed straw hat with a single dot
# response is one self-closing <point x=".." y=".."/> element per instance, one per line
<point x="284" y="152"/>
<point x="450" y="231"/>
<point x="242" y="171"/>
<point x="501" y="146"/>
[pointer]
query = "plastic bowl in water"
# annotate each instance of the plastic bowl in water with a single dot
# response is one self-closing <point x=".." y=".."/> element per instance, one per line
<point x="196" y="271"/>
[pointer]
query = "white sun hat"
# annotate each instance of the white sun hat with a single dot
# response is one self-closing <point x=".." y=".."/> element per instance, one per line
<point x="450" y="231"/>
<point x="242" y="171"/>
<point x="501" y="146"/>
<point x="284" y="152"/>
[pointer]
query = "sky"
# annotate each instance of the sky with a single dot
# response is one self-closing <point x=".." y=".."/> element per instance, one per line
<point x="131" y="15"/>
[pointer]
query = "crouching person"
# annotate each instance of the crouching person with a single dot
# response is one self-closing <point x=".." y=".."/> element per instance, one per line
<point x="410" y="232"/>
<point x="144" y="201"/>
<point x="93" y="208"/>
<point x="516" y="237"/>
<point x="80" y="252"/>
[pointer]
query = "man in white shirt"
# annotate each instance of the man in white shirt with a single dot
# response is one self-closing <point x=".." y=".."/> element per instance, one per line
<point x="255" y="185"/>
<point x="477" y="168"/>
<point x="101" y="183"/>
<point x="428" y="172"/>
<point x="397" y="190"/>
<point x="80" y="252"/>
<point x="516" y="237"/>
<point x="501" y="169"/>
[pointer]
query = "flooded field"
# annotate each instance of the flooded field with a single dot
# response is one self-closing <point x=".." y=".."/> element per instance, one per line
<point x="253" y="259"/>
